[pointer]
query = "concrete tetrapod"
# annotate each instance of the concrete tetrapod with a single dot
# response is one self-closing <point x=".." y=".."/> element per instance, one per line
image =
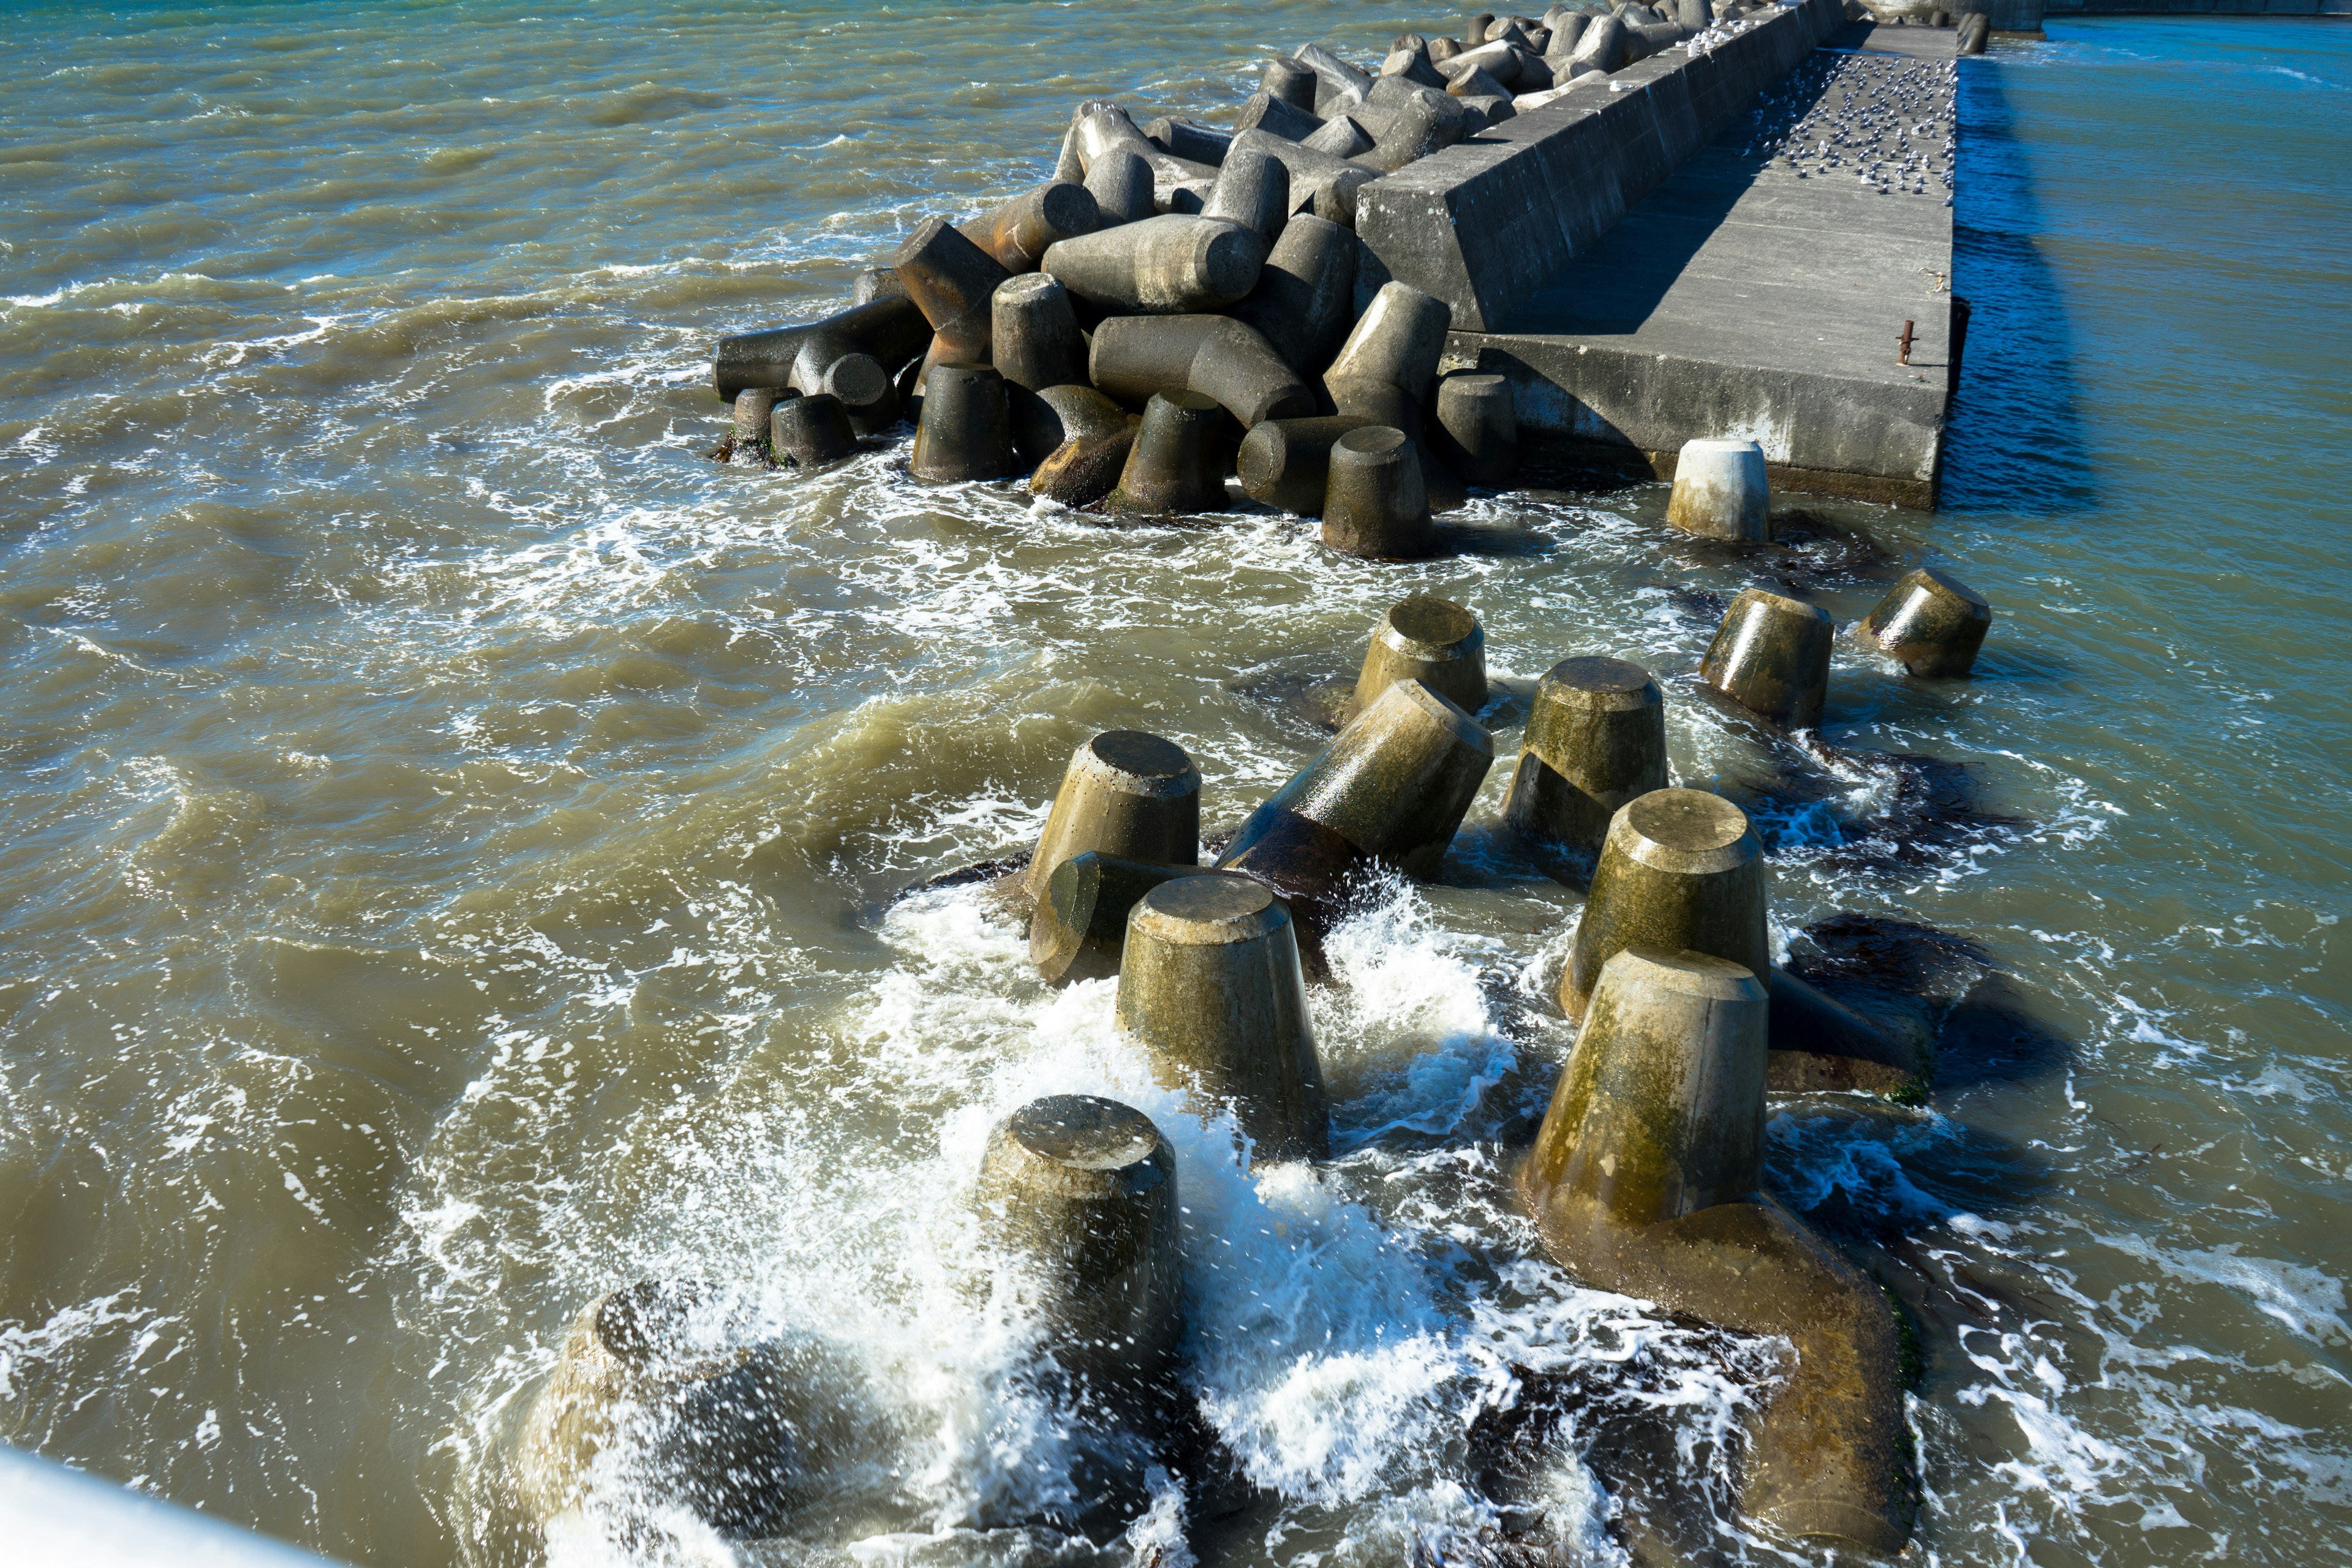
<point x="1052" y="417"/>
<point x="1374" y="502"/>
<point x="701" y="1421"/>
<point x="1177" y="465"/>
<point x="748" y="438"/>
<point x="951" y="282"/>
<point x="965" y="431"/>
<point x="1931" y="623"/>
<point x="1082" y="1191"/>
<point x="1394" y="786"/>
<point x="1286" y="463"/>
<point x="1419" y="128"/>
<point x="1288" y="81"/>
<point x="1477" y="433"/>
<point x="1126" y="792"/>
<point x="1679" y="868"/>
<point x="1434" y="641"/>
<point x="1195" y="144"/>
<point x="1134" y="357"/>
<point x="808" y="431"/>
<point x="1016" y="232"/>
<point x="1721" y="490"/>
<point x="1120" y="183"/>
<point x="1596" y="742"/>
<point x="1169" y="265"/>
<point x="1398" y="341"/>
<point x="1341" y="136"/>
<point x="1035" y="339"/>
<point x="1080" y="923"/>
<point x="1305" y="301"/>
<point x="1254" y="191"/>
<point x="1645" y="1179"/>
<point x="1337" y="84"/>
<point x="1263" y="111"/>
<point x="1320" y="181"/>
<point x="891" y="329"/>
<point x="1771" y="656"/>
<point x="1210" y="983"/>
<point x="1085" y="469"/>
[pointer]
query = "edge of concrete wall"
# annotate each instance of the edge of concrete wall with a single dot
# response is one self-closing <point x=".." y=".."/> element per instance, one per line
<point x="1483" y="224"/>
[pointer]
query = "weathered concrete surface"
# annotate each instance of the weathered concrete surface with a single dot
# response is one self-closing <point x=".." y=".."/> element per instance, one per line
<point x="1483" y="224"/>
<point x="1739" y="300"/>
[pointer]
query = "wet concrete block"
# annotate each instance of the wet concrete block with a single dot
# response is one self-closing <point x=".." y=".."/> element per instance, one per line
<point x="1016" y="232"/>
<point x="1931" y="623"/>
<point x="1375" y="504"/>
<point x="1080" y="925"/>
<point x="1127" y="794"/>
<point x="1476" y="432"/>
<point x="1595" y="742"/>
<point x="1435" y="641"/>
<point x="965" y="430"/>
<point x="1392" y="786"/>
<point x="1286" y="463"/>
<point x="1177" y="465"/>
<point x="1210" y="983"/>
<point x="1679" y="869"/>
<point x="812" y="430"/>
<point x="952" y="280"/>
<point x="1771" y="656"/>
<point x="1082" y="1193"/>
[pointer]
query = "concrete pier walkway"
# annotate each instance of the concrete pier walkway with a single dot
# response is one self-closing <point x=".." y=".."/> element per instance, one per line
<point x="1743" y="296"/>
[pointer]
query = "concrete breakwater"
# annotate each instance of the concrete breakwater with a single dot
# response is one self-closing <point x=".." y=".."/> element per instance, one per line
<point x="1182" y="304"/>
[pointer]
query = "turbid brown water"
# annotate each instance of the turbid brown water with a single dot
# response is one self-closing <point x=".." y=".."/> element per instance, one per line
<point x="465" y="851"/>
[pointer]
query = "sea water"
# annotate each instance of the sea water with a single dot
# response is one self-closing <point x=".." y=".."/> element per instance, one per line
<point x="464" y="850"/>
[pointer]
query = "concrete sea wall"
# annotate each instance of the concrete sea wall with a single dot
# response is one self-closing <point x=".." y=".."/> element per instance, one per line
<point x="1482" y="225"/>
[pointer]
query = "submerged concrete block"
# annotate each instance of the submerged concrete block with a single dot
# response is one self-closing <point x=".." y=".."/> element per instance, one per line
<point x="1477" y="434"/>
<point x="1392" y="786"/>
<point x="812" y="430"/>
<point x="1305" y="299"/>
<point x="1169" y="265"/>
<point x="1771" y="656"/>
<point x="1082" y="1192"/>
<point x="1177" y="465"/>
<point x="1374" y="502"/>
<point x="1051" y="417"/>
<point x="1017" y="231"/>
<point x="1134" y="357"/>
<point x="1286" y="463"/>
<point x="965" y="430"/>
<point x="1721" y="490"/>
<point x="1080" y="925"/>
<point x="1931" y="623"/>
<point x="1432" y="641"/>
<point x="1645" y="1178"/>
<point x="1086" y="468"/>
<point x="1210" y="983"/>
<point x="1129" y="794"/>
<point x="702" y="1420"/>
<point x="748" y="438"/>
<point x="1596" y="742"/>
<point x="1679" y="869"/>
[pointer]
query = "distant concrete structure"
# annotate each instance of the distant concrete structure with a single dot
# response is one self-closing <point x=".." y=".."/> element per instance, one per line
<point x="1806" y="310"/>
